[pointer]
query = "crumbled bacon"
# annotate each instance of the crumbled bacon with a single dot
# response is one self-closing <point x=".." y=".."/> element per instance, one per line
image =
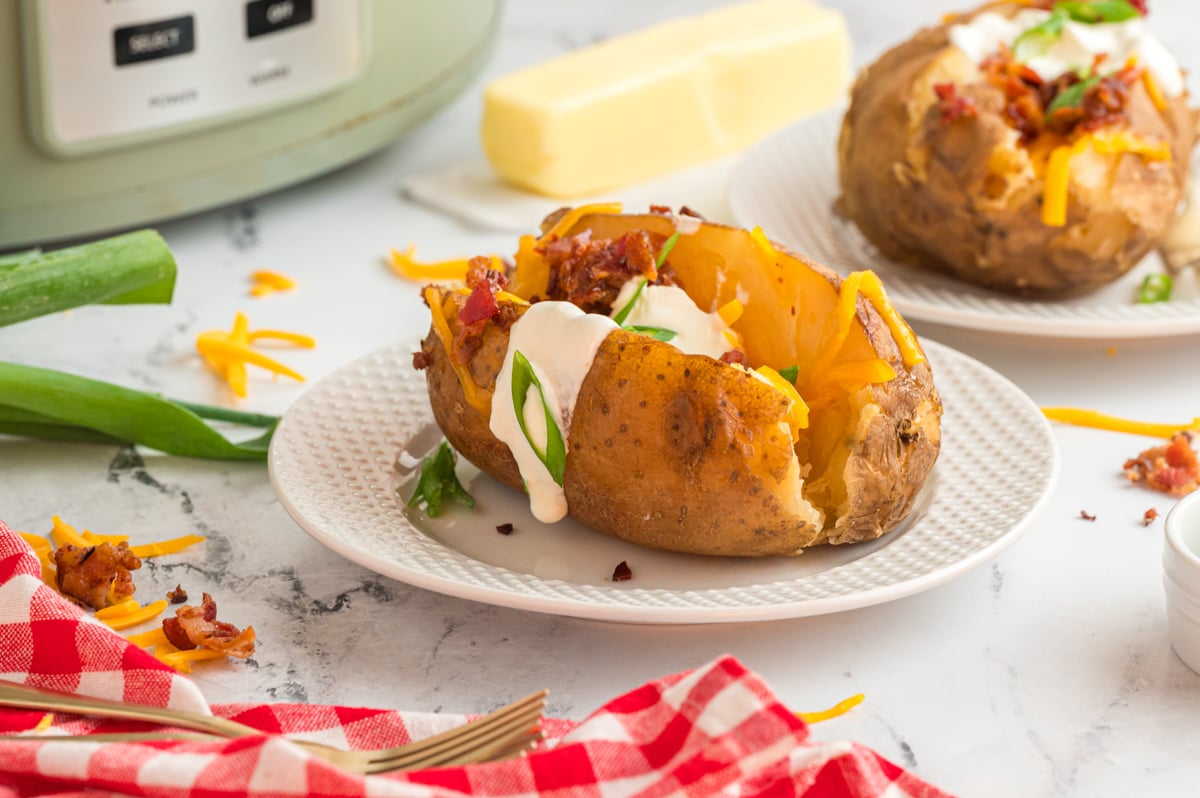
<point x="954" y="106"/>
<point x="1173" y="468"/>
<point x="198" y="627"/>
<point x="590" y="273"/>
<point x="622" y="573"/>
<point x="177" y="596"/>
<point x="1142" y="6"/>
<point x="735" y="356"/>
<point x="662" y="210"/>
<point x="421" y="360"/>
<point x="480" y="305"/>
<point x="1149" y="516"/>
<point x="1028" y="98"/>
<point x="97" y="576"/>
<point x="504" y="529"/>
<point x="686" y="211"/>
<point x="1086" y="516"/>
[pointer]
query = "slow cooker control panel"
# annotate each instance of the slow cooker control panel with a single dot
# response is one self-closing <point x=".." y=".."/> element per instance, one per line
<point x="106" y="73"/>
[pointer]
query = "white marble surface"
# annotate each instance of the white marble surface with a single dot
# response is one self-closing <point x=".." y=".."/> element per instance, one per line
<point x="1046" y="672"/>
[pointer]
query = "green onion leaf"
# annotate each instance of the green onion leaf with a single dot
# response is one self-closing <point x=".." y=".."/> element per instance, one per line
<point x="1072" y="96"/>
<point x="1041" y="37"/>
<point x="657" y="333"/>
<point x="624" y="312"/>
<point x="134" y="268"/>
<point x="668" y="245"/>
<point x="33" y="401"/>
<point x="1098" y="10"/>
<point x="438" y="480"/>
<point x="1155" y="288"/>
<point x="791" y="373"/>
<point x="555" y="456"/>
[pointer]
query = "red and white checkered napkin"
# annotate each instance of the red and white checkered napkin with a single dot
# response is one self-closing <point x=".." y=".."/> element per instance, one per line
<point x="717" y="729"/>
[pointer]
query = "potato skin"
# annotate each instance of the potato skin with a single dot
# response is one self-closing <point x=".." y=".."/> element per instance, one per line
<point x="964" y="198"/>
<point x="686" y="453"/>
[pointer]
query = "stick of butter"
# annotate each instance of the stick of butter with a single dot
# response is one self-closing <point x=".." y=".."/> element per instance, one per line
<point x="666" y="97"/>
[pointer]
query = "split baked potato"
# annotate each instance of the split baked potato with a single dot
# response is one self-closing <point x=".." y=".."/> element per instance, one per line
<point x="690" y="452"/>
<point x="982" y="147"/>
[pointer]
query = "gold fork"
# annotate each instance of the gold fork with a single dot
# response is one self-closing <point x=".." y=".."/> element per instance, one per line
<point x="504" y="733"/>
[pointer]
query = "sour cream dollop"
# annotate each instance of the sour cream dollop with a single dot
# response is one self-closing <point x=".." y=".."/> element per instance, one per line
<point x="560" y="342"/>
<point x="1078" y="46"/>
<point x="670" y="308"/>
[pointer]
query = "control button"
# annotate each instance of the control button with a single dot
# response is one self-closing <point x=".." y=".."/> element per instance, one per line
<point x="153" y="40"/>
<point x="268" y="16"/>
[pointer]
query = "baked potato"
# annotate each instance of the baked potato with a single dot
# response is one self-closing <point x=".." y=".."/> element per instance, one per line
<point x="982" y="147"/>
<point x="818" y="422"/>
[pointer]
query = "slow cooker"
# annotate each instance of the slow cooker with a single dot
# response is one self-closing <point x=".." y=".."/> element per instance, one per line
<point x="116" y="113"/>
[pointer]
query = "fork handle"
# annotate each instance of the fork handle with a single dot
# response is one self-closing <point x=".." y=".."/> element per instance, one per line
<point x="26" y="697"/>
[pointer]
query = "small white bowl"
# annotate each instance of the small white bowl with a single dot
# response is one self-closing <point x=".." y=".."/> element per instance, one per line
<point x="1181" y="578"/>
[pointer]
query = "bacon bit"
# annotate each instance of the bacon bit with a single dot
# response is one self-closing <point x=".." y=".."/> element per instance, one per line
<point x="480" y="305"/>
<point x="661" y="210"/>
<point x="735" y="356"/>
<point x="504" y="529"/>
<point x="1086" y="516"/>
<point x="622" y="573"/>
<point x="198" y="627"/>
<point x="1149" y="516"/>
<point x="421" y="360"/>
<point x="686" y="211"/>
<point x="954" y="107"/>
<point x="1142" y="6"/>
<point x="1173" y="468"/>
<point x="178" y="595"/>
<point x="590" y="273"/>
<point x="97" y="576"/>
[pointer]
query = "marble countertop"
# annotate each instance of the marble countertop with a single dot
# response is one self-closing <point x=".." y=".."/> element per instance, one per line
<point x="1045" y="672"/>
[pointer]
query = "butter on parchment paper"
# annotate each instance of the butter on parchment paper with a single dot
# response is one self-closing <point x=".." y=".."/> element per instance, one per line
<point x="666" y="97"/>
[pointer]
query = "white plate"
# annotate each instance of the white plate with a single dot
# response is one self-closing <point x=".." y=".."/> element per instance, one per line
<point x="333" y="465"/>
<point x="787" y="184"/>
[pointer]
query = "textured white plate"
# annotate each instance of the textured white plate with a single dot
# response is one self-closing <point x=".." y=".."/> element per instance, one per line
<point x="333" y="463"/>
<point x="787" y="184"/>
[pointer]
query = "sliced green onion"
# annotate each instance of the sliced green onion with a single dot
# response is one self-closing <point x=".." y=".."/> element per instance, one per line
<point x="1072" y="96"/>
<point x="657" y="333"/>
<point x="1155" y="288"/>
<point x="134" y="268"/>
<point x="555" y="456"/>
<point x="668" y="245"/>
<point x="790" y="373"/>
<point x="35" y="401"/>
<point x="438" y="480"/>
<point x="624" y="312"/>
<point x="1098" y="10"/>
<point x="1041" y="37"/>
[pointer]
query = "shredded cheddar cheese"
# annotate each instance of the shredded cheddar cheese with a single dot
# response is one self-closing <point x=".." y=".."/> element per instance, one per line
<point x="1058" y="171"/>
<point x="65" y="533"/>
<point x="405" y="265"/>
<point x="872" y="288"/>
<point x="797" y="414"/>
<point x="229" y="352"/>
<point x="45" y="723"/>
<point x="572" y="216"/>
<point x="94" y="539"/>
<point x="1098" y="420"/>
<point x="182" y="660"/>
<point x="172" y="546"/>
<point x="125" y="607"/>
<point x="36" y="542"/>
<point x="730" y="312"/>
<point x="1153" y="89"/>
<point x="437" y="310"/>
<point x="152" y="637"/>
<point x="764" y="244"/>
<point x="840" y="708"/>
<point x="140" y="615"/>
<point x="268" y="282"/>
